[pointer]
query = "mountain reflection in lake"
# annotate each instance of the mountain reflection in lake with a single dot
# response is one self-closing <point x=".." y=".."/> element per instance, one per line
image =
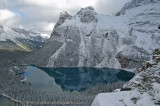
<point x="71" y="79"/>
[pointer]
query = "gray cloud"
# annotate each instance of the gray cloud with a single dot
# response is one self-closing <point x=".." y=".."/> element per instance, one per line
<point x="42" y="14"/>
<point x="110" y="7"/>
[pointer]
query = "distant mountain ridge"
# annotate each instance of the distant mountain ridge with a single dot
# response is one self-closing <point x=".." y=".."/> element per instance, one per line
<point x="20" y="39"/>
<point x="89" y="39"/>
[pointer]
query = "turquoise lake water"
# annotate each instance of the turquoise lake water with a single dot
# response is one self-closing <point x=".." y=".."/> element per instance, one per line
<point x="69" y="79"/>
<point x="78" y="79"/>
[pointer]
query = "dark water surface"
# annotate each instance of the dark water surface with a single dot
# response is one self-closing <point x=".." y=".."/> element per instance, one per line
<point x="78" y="79"/>
<point x="60" y="80"/>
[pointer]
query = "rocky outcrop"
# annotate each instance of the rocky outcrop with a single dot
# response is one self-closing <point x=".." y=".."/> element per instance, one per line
<point x="87" y="15"/>
<point x="63" y="16"/>
<point x="147" y="79"/>
<point x="142" y="90"/>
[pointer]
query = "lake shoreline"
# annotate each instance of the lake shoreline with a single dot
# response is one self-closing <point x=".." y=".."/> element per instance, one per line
<point x="8" y="78"/>
<point x="11" y="99"/>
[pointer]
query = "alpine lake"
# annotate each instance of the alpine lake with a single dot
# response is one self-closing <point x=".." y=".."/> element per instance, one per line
<point x="73" y="79"/>
<point x="64" y="79"/>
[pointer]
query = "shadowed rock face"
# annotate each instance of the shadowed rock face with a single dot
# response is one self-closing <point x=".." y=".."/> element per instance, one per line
<point x="89" y="39"/>
<point x="1" y="26"/>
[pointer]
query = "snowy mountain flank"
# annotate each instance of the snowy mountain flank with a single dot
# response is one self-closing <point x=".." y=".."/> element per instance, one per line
<point x="144" y="88"/>
<point x="89" y="39"/>
<point x="20" y="39"/>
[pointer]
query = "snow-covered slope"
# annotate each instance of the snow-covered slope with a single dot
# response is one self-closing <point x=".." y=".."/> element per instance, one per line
<point x="19" y="39"/>
<point x="145" y="88"/>
<point x="135" y="3"/>
<point x="89" y="39"/>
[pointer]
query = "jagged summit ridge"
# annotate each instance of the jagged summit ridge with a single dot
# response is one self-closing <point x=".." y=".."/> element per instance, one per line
<point x="63" y="16"/>
<point x="89" y="9"/>
<point x="87" y="15"/>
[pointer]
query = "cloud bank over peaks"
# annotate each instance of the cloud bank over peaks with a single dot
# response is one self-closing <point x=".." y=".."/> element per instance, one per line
<point x="41" y="15"/>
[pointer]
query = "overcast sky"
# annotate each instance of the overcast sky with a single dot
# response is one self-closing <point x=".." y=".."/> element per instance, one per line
<point x="41" y="15"/>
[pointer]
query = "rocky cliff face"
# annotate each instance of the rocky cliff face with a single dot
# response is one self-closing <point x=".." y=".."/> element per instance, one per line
<point x="89" y="39"/>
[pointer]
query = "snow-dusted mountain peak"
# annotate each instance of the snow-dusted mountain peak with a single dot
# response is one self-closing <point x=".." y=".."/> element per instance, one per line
<point x="87" y="15"/>
<point x="63" y="16"/>
<point x="87" y="9"/>
<point x="89" y="39"/>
